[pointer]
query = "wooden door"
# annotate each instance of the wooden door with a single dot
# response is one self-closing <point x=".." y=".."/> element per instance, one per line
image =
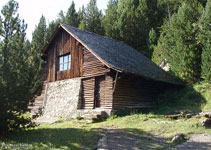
<point x="99" y="92"/>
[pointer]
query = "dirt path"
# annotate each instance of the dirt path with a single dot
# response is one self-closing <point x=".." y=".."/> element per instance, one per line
<point x="118" y="139"/>
<point x="196" y="142"/>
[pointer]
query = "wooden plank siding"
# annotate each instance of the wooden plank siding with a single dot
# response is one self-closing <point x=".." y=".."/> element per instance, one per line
<point x="64" y="44"/>
<point x="104" y="92"/>
<point x="135" y="92"/>
<point x="88" y="88"/>
<point x="91" y="65"/>
<point x="97" y="92"/>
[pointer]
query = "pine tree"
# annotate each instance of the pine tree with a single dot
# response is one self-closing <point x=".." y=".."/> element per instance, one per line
<point x="81" y="17"/>
<point x="205" y="40"/>
<point x="152" y="41"/>
<point x="135" y="18"/>
<point x="51" y="28"/>
<point x="110" y="19"/>
<point x="14" y="69"/>
<point x="71" y="17"/>
<point x="178" y="42"/>
<point x="93" y="18"/>
<point x="37" y="44"/>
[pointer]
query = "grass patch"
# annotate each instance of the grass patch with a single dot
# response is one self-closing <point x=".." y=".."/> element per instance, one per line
<point x="195" y="98"/>
<point x="64" y="135"/>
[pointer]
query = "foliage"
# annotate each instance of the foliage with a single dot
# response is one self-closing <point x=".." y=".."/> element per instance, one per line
<point x="191" y="99"/>
<point x="205" y="40"/>
<point x="179" y="43"/>
<point x="71" y="17"/>
<point x="134" y="20"/>
<point x="152" y="41"/>
<point x="92" y="18"/>
<point x="110" y="20"/>
<point x="15" y="75"/>
<point x="37" y="44"/>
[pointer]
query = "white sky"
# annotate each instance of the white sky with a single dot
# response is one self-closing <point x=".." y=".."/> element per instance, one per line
<point x="31" y="10"/>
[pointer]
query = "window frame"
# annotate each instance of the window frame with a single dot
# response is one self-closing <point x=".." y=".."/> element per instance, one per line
<point x="65" y="62"/>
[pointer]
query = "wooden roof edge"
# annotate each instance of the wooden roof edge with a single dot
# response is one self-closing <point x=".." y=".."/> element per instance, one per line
<point x="50" y="40"/>
<point x="99" y="58"/>
<point x="59" y="26"/>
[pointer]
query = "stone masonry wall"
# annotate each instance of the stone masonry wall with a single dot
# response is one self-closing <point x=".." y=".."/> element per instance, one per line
<point x="62" y="98"/>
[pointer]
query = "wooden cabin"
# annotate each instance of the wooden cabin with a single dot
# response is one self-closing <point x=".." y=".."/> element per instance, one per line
<point x="113" y="75"/>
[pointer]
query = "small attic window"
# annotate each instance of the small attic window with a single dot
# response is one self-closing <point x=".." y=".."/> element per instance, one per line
<point x="64" y="62"/>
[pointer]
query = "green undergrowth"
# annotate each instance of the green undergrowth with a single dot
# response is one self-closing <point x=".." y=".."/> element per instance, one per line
<point x="191" y="99"/>
<point x="152" y="126"/>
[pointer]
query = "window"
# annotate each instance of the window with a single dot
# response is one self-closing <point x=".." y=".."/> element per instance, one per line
<point x="64" y="62"/>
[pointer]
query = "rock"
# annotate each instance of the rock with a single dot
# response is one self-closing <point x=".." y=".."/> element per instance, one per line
<point x="175" y="117"/>
<point x="178" y="138"/>
<point x="188" y="115"/>
<point x="206" y="123"/>
<point x="208" y="115"/>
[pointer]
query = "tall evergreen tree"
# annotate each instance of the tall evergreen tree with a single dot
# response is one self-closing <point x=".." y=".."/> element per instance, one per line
<point x="71" y="17"/>
<point x="14" y="69"/>
<point x="205" y="40"/>
<point x="110" y="19"/>
<point x="135" y="18"/>
<point x="81" y="16"/>
<point x="51" y="28"/>
<point x="93" y="18"/>
<point x="178" y="43"/>
<point x="37" y="44"/>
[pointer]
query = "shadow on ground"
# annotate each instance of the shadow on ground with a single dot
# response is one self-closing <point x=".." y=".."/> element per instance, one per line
<point x="53" y="138"/>
<point x="186" y="99"/>
<point x="76" y="139"/>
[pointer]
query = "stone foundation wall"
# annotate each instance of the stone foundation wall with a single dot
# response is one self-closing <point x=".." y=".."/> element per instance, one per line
<point x="62" y="98"/>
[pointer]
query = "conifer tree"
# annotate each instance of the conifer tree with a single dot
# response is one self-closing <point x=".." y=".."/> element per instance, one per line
<point x="135" y="18"/>
<point x="205" y="40"/>
<point x="93" y="18"/>
<point x="178" y="43"/>
<point x="110" y="19"/>
<point x="81" y="16"/>
<point x="71" y="17"/>
<point x="51" y="28"/>
<point x="37" y="44"/>
<point x="14" y="69"/>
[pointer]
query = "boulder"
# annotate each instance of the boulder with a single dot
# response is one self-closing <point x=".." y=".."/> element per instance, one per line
<point x="178" y="138"/>
<point x="206" y="123"/>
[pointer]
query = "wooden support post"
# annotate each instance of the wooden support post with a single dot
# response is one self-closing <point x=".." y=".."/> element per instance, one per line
<point x="115" y="81"/>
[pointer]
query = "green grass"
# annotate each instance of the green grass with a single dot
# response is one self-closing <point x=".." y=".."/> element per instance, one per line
<point x="64" y="135"/>
<point x="195" y="98"/>
<point x="153" y="128"/>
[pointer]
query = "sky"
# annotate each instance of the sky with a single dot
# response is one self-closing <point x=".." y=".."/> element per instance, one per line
<point x="32" y="10"/>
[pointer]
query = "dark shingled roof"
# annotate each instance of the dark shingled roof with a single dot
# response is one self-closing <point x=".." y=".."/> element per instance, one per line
<point x="119" y="55"/>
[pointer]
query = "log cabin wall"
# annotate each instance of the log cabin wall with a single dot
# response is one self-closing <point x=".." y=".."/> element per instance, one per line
<point x="97" y="85"/>
<point x="64" y="44"/>
<point x="104" y="92"/>
<point x="136" y="92"/>
<point x="97" y="92"/>
<point x="91" y="65"/>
